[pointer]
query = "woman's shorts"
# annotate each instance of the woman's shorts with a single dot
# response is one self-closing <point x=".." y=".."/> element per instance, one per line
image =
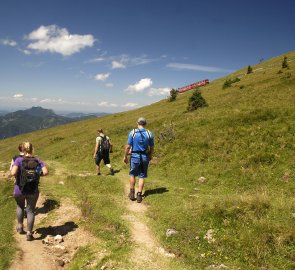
<point x="138" y="168"/>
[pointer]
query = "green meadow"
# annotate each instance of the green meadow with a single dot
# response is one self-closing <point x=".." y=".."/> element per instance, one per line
<point x="242" y="144"/>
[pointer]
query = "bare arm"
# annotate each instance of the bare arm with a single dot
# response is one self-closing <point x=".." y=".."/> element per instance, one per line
<point x="95" y="150"/>
<point x="44" y="171"/>
<point x="111" y="146"/>
<point x="14" y="170"/>
<point x="126" y="152"/>
<point x="11" y="164"/>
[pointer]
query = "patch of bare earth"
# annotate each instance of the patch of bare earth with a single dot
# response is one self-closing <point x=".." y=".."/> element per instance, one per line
<point x="48" y="251"/>
<point x="147" y="253"/>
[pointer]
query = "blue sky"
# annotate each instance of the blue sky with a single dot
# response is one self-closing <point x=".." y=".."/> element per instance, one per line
<point x="112" y="56"/>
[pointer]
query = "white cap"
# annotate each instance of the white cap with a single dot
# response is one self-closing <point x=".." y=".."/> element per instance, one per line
<point x="141" y="121"/>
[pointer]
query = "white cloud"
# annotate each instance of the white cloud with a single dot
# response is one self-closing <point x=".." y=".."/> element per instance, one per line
<point x="106" y="104"/>
<point x="100" y="58"/>
<point x="116" y="65"/>
<point x="126" y="60"/>
<point x="95" y="60"/>
<point x="101" y="76"/>
<point x="180" y="66"/>
<point x="8" y="42"/>
<point x="139" y="86"/>
<point x="46" y="100"/>
<point x="26" y="52"/>
<point x="159" y="91"/>
<point x="130" y="105"/>
<point x="60" y="101"/>
<point x="110" y="85"/>
<point x="58" y="40"/>
<point x="121" y="61"/>
<point x="18" y="95"/>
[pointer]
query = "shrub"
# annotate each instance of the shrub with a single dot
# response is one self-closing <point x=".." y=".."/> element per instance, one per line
<point x="285" y="62"/>
<point x="196" y="101"/>
<point x="173" y="95"/>
<point x="229" y="82"/>
<point x="167" y="134"/>
<point x="249" y="70"/>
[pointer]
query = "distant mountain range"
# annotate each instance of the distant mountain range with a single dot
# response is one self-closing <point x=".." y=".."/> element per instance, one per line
<point x="2" y="112"/>
<point x="36" y="118"/>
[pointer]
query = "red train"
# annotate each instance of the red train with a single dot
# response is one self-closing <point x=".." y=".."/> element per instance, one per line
<point x="192" y="86"/>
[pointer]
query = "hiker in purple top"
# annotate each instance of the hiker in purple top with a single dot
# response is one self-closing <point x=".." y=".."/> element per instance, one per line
<point x="27" y="170"/>
<point x="140" y="146"/>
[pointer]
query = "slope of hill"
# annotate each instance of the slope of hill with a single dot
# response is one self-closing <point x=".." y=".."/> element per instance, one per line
<point x="240" y="214"/>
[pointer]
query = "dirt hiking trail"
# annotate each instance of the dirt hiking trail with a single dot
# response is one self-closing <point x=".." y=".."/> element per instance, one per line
<point x="147" y="253"/>
<point x="48" y="253"/>
<point x="45" y="252"/>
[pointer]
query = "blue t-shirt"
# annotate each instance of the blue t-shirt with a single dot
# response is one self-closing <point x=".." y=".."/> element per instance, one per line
<point x="140" y="141"/>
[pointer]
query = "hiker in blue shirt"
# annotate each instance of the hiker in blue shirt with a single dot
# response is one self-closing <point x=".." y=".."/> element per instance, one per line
<point x="140" y="147"/>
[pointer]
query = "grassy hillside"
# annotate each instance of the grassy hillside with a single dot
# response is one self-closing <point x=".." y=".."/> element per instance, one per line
<point x="242" y="143"/>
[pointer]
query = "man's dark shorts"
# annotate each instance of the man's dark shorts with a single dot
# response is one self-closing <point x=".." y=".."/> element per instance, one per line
<point x="138" y="168"/>
<point x="105" y="158"/>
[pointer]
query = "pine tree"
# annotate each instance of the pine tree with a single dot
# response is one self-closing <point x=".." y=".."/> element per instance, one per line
<point x="250" y="70"/>
<point x="196" y="101"/>
<point x="285" y="62"/>
<point x="173" y="95"/>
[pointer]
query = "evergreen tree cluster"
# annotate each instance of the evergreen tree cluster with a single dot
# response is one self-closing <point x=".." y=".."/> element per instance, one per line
<point x="173" y="95"/>
<point x="196" y="101"/>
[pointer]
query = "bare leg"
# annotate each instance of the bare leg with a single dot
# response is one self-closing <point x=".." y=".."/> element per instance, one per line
<point x="98" y="169"/>
<point x="132" y="188"/>
<point x="140" y="184"/>
<point x="132" y="182"/>
<point x="140" y="188"/>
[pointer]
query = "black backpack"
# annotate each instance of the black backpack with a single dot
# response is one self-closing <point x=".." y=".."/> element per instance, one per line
<point x="104" y="145"/>
<point x="29" y="175"/>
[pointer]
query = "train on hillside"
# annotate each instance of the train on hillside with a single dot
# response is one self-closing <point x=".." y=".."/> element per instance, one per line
<point x="192" y="86"/>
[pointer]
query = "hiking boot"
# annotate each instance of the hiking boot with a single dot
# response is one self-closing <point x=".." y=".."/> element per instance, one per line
<point x="20" y="230"/>
<point x="139" y="197"/>
<point x="30" y="237"/>
<point x="132" y="195"/>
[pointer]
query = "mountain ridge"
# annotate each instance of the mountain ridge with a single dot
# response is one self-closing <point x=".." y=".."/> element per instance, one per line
<point x="35" y="118"/>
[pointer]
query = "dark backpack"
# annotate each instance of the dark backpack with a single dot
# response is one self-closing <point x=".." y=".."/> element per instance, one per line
<point x="104" y="146"/>
<point x="29" y="175"/>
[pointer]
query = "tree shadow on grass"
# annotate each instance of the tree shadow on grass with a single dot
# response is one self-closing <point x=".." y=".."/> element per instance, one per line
<point x="155" y="191"/>
<point x="55" y="230"/>
<point x="48" y="206"/>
